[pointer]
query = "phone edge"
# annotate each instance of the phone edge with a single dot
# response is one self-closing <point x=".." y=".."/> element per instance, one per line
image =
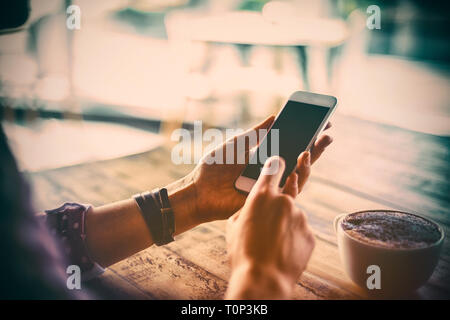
<point x="318" y="132"/>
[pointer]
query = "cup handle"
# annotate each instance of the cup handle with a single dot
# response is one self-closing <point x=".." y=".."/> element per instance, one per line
<point x="336" y="220"/>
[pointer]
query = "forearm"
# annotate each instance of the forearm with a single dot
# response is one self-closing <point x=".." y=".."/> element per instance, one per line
<point x="254" y="282"/>
<point x="118" y="230"/>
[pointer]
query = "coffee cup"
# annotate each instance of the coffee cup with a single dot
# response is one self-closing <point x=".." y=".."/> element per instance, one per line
<point x="386" y="270"/>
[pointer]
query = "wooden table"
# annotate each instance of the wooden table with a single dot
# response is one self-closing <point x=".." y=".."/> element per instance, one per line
<point x="368" y="166"/>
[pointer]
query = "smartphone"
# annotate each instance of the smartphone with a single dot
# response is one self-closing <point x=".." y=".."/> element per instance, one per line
<point x="298" y="124"/>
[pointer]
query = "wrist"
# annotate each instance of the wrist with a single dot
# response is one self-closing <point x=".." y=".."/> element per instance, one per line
<point x="252" y="281"/>
<point x="182" y="201"/>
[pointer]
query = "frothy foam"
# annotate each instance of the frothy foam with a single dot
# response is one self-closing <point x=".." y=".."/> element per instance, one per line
<point x="391" y="229"/>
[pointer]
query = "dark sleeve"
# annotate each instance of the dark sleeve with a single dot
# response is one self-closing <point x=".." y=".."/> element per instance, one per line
<point x="67" y="225"/>
<point x="32" y="266"/>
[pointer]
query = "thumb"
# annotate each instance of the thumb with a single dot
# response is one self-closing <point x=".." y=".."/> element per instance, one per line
<point x="241" y="144"/>
<point x="271" y="174"/>
<point x="266" y="124"/>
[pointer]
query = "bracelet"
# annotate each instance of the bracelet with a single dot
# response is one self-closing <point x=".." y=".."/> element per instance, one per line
<point x="158" y="215"/>
<point x="167" y="215"/>
<point x="151" y="215"/>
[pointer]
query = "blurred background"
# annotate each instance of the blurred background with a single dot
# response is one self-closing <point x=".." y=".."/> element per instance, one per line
<point x="89" y="112"/>
<point x="137" y="69"/>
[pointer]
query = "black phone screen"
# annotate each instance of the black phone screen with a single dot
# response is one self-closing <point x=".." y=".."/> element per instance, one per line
<point x="297" y="124"/>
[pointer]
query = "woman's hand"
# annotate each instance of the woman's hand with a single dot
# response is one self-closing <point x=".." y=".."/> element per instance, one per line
<point x="211" y="186"/>
<point x="206" y="194"/>
<point x="269" y="240"/>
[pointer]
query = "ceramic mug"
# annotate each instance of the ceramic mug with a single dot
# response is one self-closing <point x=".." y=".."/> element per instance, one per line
<point x="402" y="270"/>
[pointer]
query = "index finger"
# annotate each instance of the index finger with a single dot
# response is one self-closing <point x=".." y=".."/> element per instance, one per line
<point x="271" y="174"/>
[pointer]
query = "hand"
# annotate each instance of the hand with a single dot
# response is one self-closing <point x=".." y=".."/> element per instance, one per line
<point x="269" y="240"/>
<point x="214" y="196"/>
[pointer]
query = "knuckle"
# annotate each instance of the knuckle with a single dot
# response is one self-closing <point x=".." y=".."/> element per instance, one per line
<point x="307" y="171"/>
<point x="261" y="195"/>
<point x="287" y="200"/>
<point x="285" y="205"/>
<point x="231" y="221"/>
<point x="312" y="241"/>
<point x="284" y="201"/>
<point x="302" y="220"/>
<point x="304" y="172"/>
<point x="303" y="216"/>
<point x="310" y="238"/>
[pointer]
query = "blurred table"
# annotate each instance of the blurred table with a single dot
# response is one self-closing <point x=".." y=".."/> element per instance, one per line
<point x="245" y="29"/>
<point x="369" y="166"/>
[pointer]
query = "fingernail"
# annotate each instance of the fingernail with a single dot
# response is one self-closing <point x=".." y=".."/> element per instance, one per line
<point x="307" y="159"/>
<point x="275" y="162"/>
<point x="270" y="167"/>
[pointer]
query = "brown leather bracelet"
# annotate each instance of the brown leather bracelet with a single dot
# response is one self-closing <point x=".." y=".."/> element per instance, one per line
<point x="167" y="215"/>
<point x="158" y="215"/>
<point x="152" y="215"/>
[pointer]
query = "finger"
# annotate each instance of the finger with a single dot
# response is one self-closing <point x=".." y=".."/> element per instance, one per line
<point x="271" y="174"/>
<point x="232" y="220"/>
<point x="319" y="147"/>
<point x="328" y="126"/>
<point x="303" y="169"/>
<point x="241" y="144"/>
<point x="291" y="186"/>
<point x="266" y="124"/>
<point x="235" y="216"/>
